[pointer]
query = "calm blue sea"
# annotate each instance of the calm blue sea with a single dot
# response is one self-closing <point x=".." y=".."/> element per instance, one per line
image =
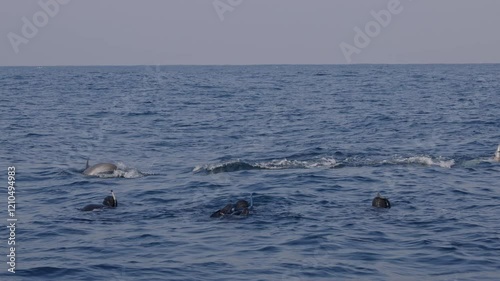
<point x="314" y="144"/>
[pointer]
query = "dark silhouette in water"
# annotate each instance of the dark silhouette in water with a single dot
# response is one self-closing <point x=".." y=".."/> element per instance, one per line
<point x="108" y="202"/>
<point x="233" y="166"/>
<point x="241" y="208"/>
<point x="381" y="202"/>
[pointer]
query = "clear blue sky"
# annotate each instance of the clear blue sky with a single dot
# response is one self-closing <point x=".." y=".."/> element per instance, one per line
<point x="158" y="32"/>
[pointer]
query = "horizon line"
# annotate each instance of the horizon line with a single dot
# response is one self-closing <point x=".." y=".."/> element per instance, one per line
<point x="264" y="64"/>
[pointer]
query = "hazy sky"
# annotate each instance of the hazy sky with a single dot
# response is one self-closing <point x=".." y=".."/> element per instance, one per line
<point x="152" y="32"/>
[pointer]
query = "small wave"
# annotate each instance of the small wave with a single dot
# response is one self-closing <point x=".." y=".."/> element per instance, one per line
<point x="143" y="113"/>
<point x="323" y="162"/>
<point x="128" y="174"/>
<point x="231" y="166"/>
<point x="478" y="161"/>
<point x="48" y="271"/>
<point x="426" y="161"/>
<point x="276" y="164"/>
<point x="298" y="164"/>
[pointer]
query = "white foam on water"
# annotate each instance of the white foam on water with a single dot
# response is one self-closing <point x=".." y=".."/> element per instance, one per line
<point x="298" y="164"/>
<point x="427" y="161"/>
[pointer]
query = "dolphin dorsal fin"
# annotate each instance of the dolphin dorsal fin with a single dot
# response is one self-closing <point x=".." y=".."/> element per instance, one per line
<point x="87" y="165"/>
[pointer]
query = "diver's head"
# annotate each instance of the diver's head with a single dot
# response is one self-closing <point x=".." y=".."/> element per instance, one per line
<point x="381" y="202"/>
<point x="110" y="201"/>
<point x="241" y="204"/>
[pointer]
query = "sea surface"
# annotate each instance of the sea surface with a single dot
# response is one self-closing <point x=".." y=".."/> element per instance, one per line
<point x="311" y="145"/>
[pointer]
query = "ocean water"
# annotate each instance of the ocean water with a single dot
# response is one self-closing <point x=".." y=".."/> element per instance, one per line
<point x="313" y="144"/>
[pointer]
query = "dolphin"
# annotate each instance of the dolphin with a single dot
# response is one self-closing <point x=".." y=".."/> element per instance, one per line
<point x="381" y="202"/>
<point x="97" y="169"/>
<point x="497" y="154"/>
<point x="108" y="202"/>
